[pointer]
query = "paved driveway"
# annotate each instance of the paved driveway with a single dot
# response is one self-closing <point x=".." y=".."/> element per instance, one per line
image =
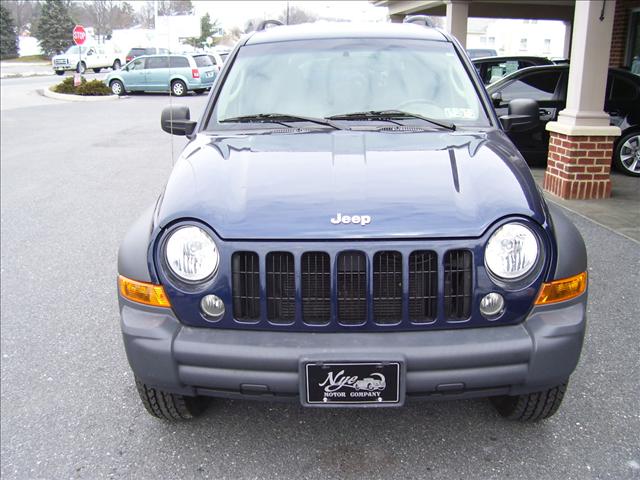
<point x="74" y="177"/>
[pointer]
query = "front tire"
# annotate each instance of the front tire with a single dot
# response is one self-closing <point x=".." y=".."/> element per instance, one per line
<point x="626" y="157"/>
<point x="170" y="406"/>
<point x="96" y="70"/>
<point x="117" y="88"/>
<point x="81" y="67"/>
<point x="60" y="72"/>
<point x="178" y="88"/>
<point x="531" y="407"/>
<point x="116" y="65"/>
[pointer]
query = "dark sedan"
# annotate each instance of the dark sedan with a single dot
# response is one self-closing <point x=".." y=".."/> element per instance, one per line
<point x="492" y="69"/>
<point x="548" y="86"/>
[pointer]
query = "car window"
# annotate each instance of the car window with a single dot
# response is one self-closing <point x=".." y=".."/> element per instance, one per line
<point x="349" y="75"/>
<point x="536" y="86"/>
<point x="137" y="64"/>
<point x="224" y="56"/>
<point x="203" y="61"/>
<point x="179" y="62"/>
<point x="622" y="90"/>
<point x="158" y="62"/>
<point x="213" y="60"/>
<point x="496" y="70"/>
<point x="137" y="51"/>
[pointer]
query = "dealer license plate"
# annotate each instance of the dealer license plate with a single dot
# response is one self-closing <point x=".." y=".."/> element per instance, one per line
<point x="352" y="383"/>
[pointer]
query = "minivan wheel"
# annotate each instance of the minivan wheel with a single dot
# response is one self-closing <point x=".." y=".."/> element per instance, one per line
<point x="117" y="87"/>
<point x="81" y="67"/>
<point x="178" y="88"/>
<point x="531" y="407"/>
<point x="626" y="158"/>
<point x="116" y="64"/>
<point x="199" y="91"/>
<point x="170" y="406"/>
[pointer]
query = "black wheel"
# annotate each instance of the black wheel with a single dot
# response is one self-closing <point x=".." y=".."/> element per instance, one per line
<point x="81" y="67"/>
<point x="60" y="72"/>
<point x="117" y="88"/>
<point x="531" y="407"/>
<point x="116" y="64"/>
<point x="96" y="70"/>
<point x="169" y="406"/>
<point x="199" y="91"/>
<point x="178" y="88"/>
<point x="626" y="157"/>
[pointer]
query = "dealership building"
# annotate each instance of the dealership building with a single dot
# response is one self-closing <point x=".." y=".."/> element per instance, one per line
<point x="600" y="34"/>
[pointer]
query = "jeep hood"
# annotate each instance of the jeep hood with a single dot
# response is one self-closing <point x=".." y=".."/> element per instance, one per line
<point x="290" y="186"/>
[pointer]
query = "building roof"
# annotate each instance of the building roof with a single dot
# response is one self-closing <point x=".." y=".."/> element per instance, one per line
<point x="327" y="30"/>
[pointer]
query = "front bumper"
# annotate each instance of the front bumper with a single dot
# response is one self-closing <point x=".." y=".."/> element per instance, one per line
<point x="536" y="354"/>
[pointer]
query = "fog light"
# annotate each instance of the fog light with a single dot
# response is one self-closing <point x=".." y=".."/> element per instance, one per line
<point x="491" y="305"/>
<point x="212" y="307"/>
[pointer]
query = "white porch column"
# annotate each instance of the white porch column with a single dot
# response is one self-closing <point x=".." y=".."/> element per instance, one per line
<point x="581" y="140"/>
<point x="456" y="20"/>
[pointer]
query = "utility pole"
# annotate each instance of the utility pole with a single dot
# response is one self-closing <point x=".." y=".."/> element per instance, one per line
<point x="155" y="25"/>
<point x="287" y="12"/>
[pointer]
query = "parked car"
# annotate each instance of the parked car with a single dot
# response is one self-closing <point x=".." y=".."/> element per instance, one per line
<point x="179" y="74"/>
<point x="492" y="69"/>
<point x="216" y="60"/>
<point x="80" y="58"/>
<point x="481" y="52"/>
<point x="138" y="51"/>
<point x="547" y="85"/>
<point x="349" y="206"/>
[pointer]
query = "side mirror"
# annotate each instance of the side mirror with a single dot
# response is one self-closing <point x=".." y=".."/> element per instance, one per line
<point x="90" y="52"/>
<point x="496" y="98"/>
<point x="176" y="120"/>
<point x="524" y="115"/>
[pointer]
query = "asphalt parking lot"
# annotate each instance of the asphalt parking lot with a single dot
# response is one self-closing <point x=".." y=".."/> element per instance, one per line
<point x="74" y="176"/>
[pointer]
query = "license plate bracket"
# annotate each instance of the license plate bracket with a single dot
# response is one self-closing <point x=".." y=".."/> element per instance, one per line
<point x="352" y="383"/>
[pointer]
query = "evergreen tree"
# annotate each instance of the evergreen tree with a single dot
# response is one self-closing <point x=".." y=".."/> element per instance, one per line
<point x="55" y="26"/>
<point x="8" y="37"/>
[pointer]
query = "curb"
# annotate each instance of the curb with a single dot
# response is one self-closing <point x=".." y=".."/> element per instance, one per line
<point x="25" y="75"/>
<point x="78" y="98"/>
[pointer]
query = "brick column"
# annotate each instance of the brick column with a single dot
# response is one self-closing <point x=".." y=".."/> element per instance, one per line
<point x="578" y="166"/>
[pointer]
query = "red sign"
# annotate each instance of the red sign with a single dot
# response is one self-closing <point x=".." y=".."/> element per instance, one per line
<point x="79" y="34"/>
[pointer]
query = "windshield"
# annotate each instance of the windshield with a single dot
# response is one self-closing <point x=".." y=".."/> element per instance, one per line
<point x="74" y="49"/>
<point x="332" y="77"/>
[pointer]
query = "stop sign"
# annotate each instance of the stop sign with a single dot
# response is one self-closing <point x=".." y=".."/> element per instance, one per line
<point x="79" y="34"/>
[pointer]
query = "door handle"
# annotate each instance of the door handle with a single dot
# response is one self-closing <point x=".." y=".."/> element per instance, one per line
<point x="544" y="112"/>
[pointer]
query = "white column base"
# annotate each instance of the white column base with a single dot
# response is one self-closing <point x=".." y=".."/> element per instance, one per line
<point x="584" y="130"/>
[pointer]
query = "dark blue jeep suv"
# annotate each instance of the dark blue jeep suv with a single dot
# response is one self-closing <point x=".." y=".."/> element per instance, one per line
<point x="350" y="226"/>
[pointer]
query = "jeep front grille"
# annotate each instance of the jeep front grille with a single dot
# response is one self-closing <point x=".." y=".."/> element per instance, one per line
<point x="281" y="287"/>
<point x="457" y="284"/>
<point x="246" y="286"/>
<point x="387" y="287"/>
<point x="353" y="288"/>
<point x="423" y="286"/>
<point x="316" y="287"/>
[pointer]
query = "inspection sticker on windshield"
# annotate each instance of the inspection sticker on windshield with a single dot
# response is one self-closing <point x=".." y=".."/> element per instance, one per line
<point x="454" y="112"/>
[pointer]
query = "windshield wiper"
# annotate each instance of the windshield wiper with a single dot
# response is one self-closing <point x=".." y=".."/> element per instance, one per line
<point x="389" y="115"/>
<point x="281" y="118"/>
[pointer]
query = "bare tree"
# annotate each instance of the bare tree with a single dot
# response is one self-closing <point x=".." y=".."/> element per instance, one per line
<point x="293" y="15"/>
<point x="25" y="13"/>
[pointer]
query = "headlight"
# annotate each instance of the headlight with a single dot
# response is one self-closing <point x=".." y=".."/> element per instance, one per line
<point x="512" y="251"/>
<point x="191" y="254"/>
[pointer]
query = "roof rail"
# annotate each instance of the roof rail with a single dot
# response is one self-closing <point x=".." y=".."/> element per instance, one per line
<point x="423" y="20"/>
<point x="265" y="23"/>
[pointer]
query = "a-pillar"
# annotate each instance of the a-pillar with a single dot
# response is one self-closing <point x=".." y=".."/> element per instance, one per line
<point x="456" y="20"/>
<point x="581" y="140"/>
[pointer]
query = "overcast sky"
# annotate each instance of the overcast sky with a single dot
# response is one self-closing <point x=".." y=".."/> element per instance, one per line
<point x="237" y="13"/>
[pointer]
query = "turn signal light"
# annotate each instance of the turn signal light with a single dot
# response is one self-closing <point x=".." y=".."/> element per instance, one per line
<point x="141" y="292"/>
<point x="561" y="290"/>
<point x="195" y="73"/>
